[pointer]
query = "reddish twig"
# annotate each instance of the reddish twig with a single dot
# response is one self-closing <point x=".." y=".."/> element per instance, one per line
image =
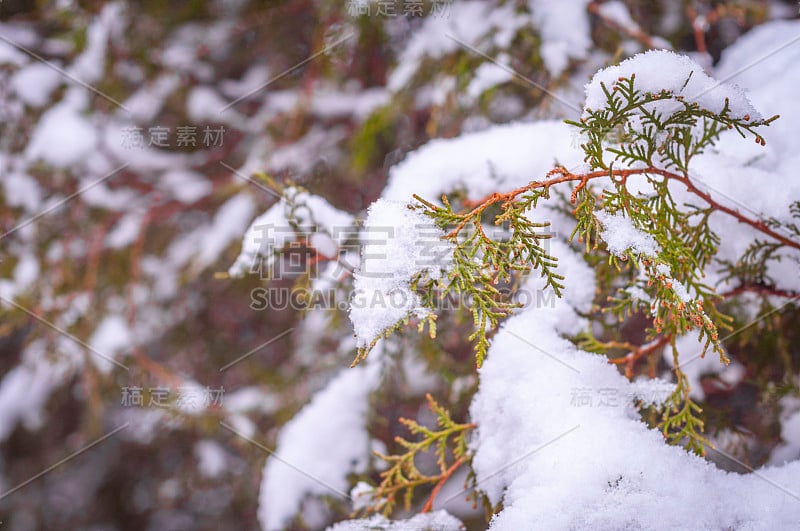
<point x="442" y="480"/>
<point x="761" y="290"/>
<point x="638" y="353"/>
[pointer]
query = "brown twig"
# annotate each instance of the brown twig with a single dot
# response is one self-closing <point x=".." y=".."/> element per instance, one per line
<point x="442" y="480"/>
<point x="638" y="353"/>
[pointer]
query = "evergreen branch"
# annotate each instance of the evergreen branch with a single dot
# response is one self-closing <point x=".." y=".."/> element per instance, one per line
<point x="480" y="262"/>
<point x="565" y="176"/>
<point x="403" y="476"/>
<point x="662" y="140"/>
<point x="680" y="421"/>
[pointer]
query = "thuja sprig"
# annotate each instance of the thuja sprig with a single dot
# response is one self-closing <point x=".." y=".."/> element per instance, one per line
<point x="751" y="268"/>
<point x="400" y="481"/>
<point x="638" y="127"/>
<point x="481" y="262"/>
<point x="680" y="421"/>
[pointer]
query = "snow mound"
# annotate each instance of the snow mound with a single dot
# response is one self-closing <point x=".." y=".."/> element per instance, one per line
<point x="398" y="244"/>
<point x="435" y="521"/>
<point x="560" y="463"/>
<point x="319" y="447"/>
<point x="658" y="70"/>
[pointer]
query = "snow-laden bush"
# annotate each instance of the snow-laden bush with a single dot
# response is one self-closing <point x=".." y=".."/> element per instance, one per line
<point x="643" y="232"/>
<point x="645" y="207"/>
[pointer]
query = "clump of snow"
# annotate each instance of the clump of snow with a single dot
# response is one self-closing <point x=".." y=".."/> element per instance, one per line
<point x="651" y="391"/>
<point x="204" y="104"/>
<point x="500" y="158"/>
<point x="25" y="273"/>
<point x="329" y="103"/>
<point x="10" y="55"/>
<point x="466" y="22"/>
<point x="144" y="424"/>
<point x="620" y="235"/>
<point x="272" y="230"/>
<point x="680" y="290"/>
<point x="211" y="458"/>
<point x="147" y="101"/>
<point x="434" y="521"/>
<point x="398" y="243"/>
<point x="35" y="82"/>
<point x="658" y="70"/>
<point x="228" y="223"/>
<point x="89" y="66"/>
<point x="362" y="495"/>
<point x="564" y="27"/>
<point x="185" y="185"/>
<point x="192" y="398"/>
<point x="789" y="448"/>
<point x="111" y="338"/>
<point x="677" y="287"/>
<point x="250" y="399"/>
<point x="637" y="293"/>
<point x="22" y="191"/>
<point x="617" y="11"/>
<point x="62" y="137"/>
<point x="25" y="389"/>
<point x="318" y="145"/>
<point x="489" y="75"/>
<point x="255" y="77"/>
<point x="319" y="447"/>
<point x="125" y="231"/>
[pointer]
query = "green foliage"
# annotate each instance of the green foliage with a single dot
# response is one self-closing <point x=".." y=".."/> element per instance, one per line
<point x="634" y="127"/>
<point x="751" y="268"/>
<point x="481" y="262"/>
<point x="681" y="422"/>
<point x="449" y="444"/>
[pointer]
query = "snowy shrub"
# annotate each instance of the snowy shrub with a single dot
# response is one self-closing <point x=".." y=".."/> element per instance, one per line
<point x="615" y="215"/>
<point x="516" y="264"/>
